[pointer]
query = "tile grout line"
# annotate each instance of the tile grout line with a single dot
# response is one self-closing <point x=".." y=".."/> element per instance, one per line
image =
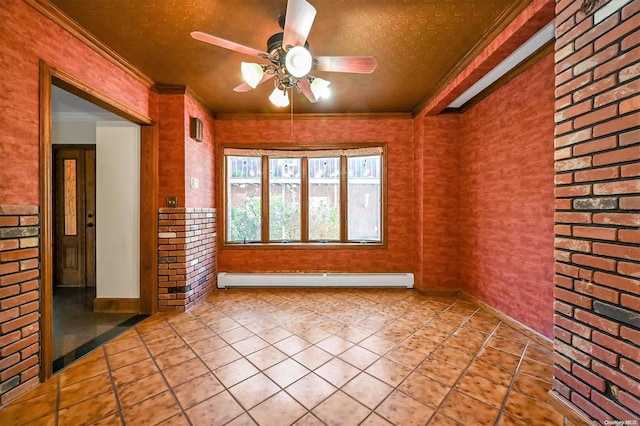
<point x="513" y="380"/>
<point x="114" y="388"/>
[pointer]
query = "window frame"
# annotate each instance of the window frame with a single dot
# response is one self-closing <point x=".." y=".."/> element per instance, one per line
<point x="311" y="151"/>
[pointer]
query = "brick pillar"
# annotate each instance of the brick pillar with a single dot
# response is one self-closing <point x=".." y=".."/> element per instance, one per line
<point x="597" y="162"/>
<point x="19" y="300"/>
<point x="187" y="267"/>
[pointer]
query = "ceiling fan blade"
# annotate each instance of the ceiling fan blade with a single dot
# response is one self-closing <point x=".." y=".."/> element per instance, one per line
<point x="220" y="42"/>
<point x="354" y="64"/>
<point x="305" y="88"/>
<point x="298" y="21"/>
<point x="244" y="87"/>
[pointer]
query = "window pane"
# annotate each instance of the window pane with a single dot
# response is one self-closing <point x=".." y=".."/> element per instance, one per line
<point x="324" y="199"/>
<point x="364" y="198"/>
<point x="284" y="199"/>
<point x="244" y="199"/>
<point x="70" y="199"/>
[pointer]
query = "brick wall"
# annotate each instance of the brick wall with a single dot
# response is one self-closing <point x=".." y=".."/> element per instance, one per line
<point x="597" y="163"/>
<point x="19" y="300"/>
<point x="187" y="266"/>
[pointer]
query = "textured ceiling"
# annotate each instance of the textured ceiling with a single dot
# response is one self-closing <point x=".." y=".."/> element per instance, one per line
<point x="416" y="43"/>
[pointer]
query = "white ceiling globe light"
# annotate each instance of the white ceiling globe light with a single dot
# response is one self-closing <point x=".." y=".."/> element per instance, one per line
<point x="320" y="88"/>
<point x="279" y="97"/>
<point x="251" y="73"/>
<point x="298" y="61"/>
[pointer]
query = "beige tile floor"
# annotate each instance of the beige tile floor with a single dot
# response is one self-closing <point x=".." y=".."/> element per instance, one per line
<point x="305" y="357"/>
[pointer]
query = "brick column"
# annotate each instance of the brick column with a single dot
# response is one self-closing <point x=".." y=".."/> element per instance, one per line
<point x="19" y="300"/>
<point x="187" y="267"/>
<point x="597" y="153"/>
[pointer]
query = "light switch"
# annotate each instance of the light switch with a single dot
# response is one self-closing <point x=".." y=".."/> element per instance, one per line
<point x="195" y="182"/>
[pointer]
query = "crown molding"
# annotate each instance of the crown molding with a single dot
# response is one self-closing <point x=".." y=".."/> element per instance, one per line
<point x="46" y="8"/>
<point x="318" y="116"/>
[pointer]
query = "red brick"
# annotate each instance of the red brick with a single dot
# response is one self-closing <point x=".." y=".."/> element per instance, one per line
<point x="9" y="314"/>
<point x="617" y="63"/>
<point x="596" y="321"/>
<point x="630" y="368"/>
<point x="574" y="217"/>
<point x="630" y="170"/>
<point x="597" y="174"/>
<point x="571" y="353"/>
<point x="618" y="187"/>
<point x="617" y="282"/>
<point x="18" y="368"/>
<point x="571" y="381"/>
<point x="18" y="300"/>
<point x="588" y="377"/>
<point x="629" y="138"/>
<point x="619" y="251"/>
<point x="19" y="277"/>
<point x="631" y="269"/>
<point x="613" y="34"/>
<point x="616" y="126"/>
<point x="597" y="60"/>
<point x="9" y="268"/>
<point x="565" y="269"/>
<point x="572" y="244"/>
<point x="624" y="219"/>
<point x="19" y="345"/>
<point x="630" y="41"/>
<point x="563" y="308"/>
<point x="9" y="221"/>
<point x="572" y="191"/>
<point x="594" y="262"/>
<point x="9" y="245"/>
<point x="618" y="92"/>
<point x="629" y="401"/>
<point x="562" y="334"/>
<point x="629" y="236"/>
<point x="18" y="255"/>
<point x="630" y="335"/>
<point x="594" y="88"/>
<point x="596" y="233"/>
<point x="9" y="338"/>
<point x="572" y="298"/>
<point x="563" y="204"/>
<point x="595" y="117"/>
<point x="630" y="301"/>
<point x="562" y="230"/>
<point x="629" y="105"/>
<point x="29" y="220"/>
<point x="573" y="164"/>
<point x="18" y="322"/>
<point x="573" y="138"/>
<point x="9" y="360"/>
<point x="572" y="326"/>
<point x="573" y="85"/>
<point x="595" y="146"/>
<point x="596" y="291"/>
<point x="595" y="351"/>
<point x="611" y="407"/>
<point x="617" y="346"/>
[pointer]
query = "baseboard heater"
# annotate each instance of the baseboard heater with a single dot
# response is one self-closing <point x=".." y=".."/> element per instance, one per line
<point x="329" y="279"/>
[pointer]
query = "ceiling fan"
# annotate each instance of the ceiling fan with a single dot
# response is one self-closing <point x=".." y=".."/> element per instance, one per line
<point x="290" y="62"/>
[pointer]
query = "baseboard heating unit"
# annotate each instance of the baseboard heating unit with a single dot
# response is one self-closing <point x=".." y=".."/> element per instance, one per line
<point x="329" y="279"/>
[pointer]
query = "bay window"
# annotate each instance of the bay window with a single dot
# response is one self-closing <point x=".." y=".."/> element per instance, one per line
<point x="304" y="196"/>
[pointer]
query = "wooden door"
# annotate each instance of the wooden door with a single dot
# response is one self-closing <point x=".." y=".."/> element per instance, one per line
<point x="74" y="215"/>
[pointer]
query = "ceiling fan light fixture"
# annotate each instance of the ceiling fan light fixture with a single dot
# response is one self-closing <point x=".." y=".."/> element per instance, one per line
<point x="320" y="88"/>
<point x="279" y="97"/>
<point x="298" y="61"/>
<point x="252" y="73"/>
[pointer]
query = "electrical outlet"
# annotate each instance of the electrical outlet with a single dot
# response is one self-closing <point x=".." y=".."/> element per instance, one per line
<point x="195" y="183"/>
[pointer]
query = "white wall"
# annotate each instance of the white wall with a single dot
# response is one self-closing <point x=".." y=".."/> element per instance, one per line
<point x="118" y="210"/>
<point x="73" y="132"/>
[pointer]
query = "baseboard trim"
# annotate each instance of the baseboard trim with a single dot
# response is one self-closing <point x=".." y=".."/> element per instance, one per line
<point x="569" y="410"/>
<point x="527" y="331"/>
<point x="435" y="292"/>
<point x="116" y="305"/>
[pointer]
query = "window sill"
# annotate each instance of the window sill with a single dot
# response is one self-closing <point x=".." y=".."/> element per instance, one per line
<point x="304" y="246"/>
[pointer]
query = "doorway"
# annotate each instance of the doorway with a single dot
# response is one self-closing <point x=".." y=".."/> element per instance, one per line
<point x="52" y="79"/>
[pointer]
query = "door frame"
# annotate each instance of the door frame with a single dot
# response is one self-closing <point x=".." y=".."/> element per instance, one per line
<point x="50" y="75"/>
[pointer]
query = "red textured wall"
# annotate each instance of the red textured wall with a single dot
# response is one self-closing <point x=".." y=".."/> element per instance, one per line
<point x="26" y="36"/>
<point x="506" y="198"/>
<point x="397" y="257"/>
<point x="440" y="187"/>
<point x="171" y="149"/>
<point x="199" y="157"/>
